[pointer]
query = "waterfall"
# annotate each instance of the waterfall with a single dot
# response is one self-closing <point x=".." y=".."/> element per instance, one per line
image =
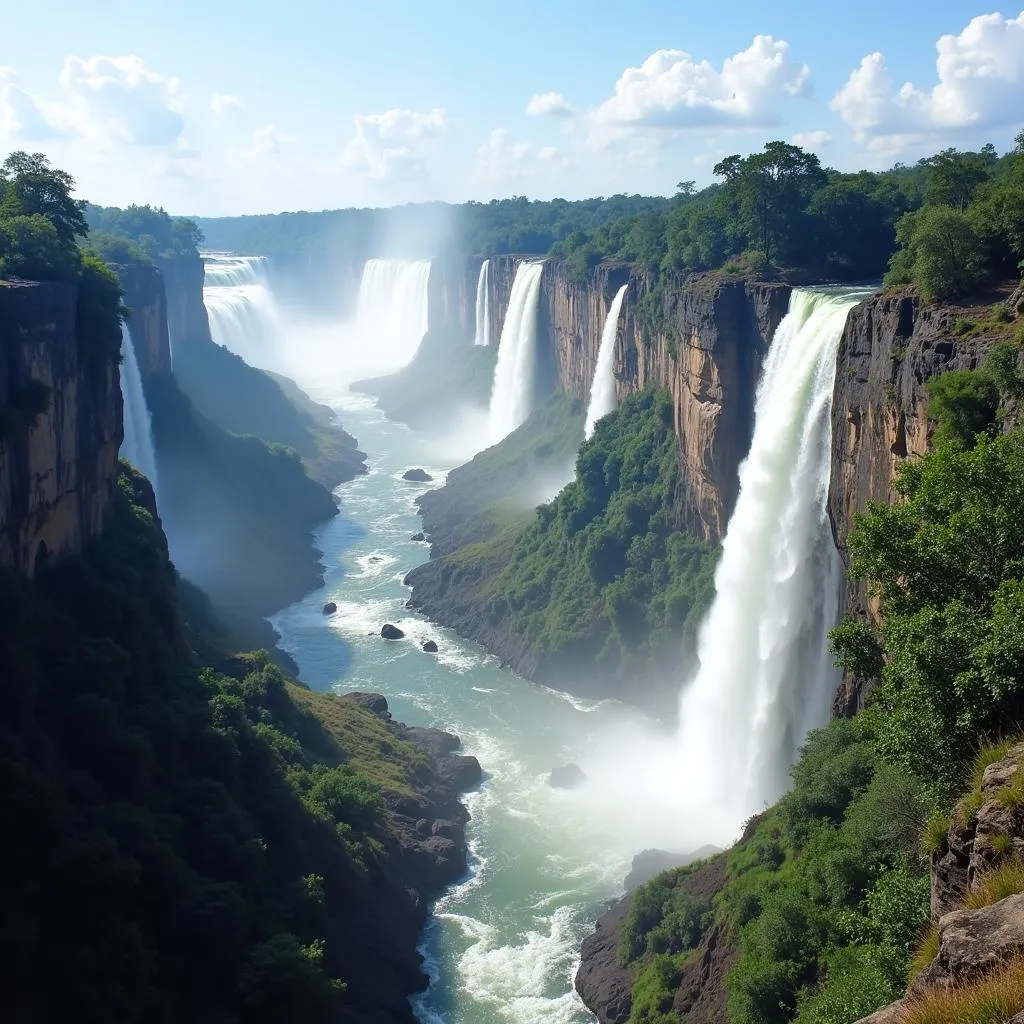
<point x="137" y="444"/>
<point x="483" y="305"/>
<point x="765" y="675"/>
<point x="243" y="314"/>
<point x="602" y="390"/>
<point x="393" y="308"/>
<point x="512" y="393"/>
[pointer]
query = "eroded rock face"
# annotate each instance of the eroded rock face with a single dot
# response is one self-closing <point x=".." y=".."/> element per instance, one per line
<point x="707" y="352"/>
<point x="57" y="479"/>
<point x="892" y="344"/>
<point x="146" y="299"/>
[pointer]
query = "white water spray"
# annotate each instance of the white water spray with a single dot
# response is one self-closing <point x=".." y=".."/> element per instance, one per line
<point x="512" y="393"/>
<point x="243" y="314"/>
<point x="393" y="311"/>
<point x="765" y="677"/>
<point x="137" y="444"/>
<point x="483" y="305"/>
<point x="602" y="390"/>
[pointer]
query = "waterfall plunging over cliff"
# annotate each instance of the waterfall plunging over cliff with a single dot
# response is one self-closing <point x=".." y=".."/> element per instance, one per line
<point x="766" y="677"/>
<point x="243" y="314"/>
<point x="602" y="390"/>
<point x="483" y="305"/>
<point x="137" y="445"/>
<point x="512" y="393"/>
<point x="393" y="309"/>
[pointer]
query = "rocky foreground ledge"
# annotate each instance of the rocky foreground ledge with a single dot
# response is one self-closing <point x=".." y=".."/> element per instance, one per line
<point x="424" y="850"/>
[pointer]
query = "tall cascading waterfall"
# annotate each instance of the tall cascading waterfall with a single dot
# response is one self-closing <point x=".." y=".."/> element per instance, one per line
<point x="602" y="390"/>
<point x="393" y="311"/>
<point x="137" y="444"/>
<point x="765" y="676"/>
<point x="243" y="314"/>
<point x="512" y="392"/>
<point x="483" y="305"/>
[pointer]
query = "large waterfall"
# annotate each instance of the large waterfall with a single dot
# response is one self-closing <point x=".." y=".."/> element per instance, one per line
<point x="393" y="312"/>
<point x="765" y="676"/>
<point x="137" y="445"/>
<point x="243" y="315"/>
<point x="602" y="390"/>
<point x="512" y="393"/>
<point x="483" y="305"/>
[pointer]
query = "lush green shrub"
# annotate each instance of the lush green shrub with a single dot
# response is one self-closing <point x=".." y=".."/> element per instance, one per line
<point x="941" y="252"/>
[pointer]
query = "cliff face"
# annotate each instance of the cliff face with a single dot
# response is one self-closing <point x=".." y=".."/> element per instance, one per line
<point x="146" y="299"/>
<point x="892" y="344"/>
<point x="707" y="351"/>
<point x="703" y="339"/>
<point x="57" y="478"/>
<point x="187" y="322"/>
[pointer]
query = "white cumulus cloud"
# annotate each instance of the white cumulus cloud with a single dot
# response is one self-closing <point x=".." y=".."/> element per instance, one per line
<point x="119" y="99"/>
<point x="21" y="116"/>
<point x="672" y="90"/>
<point x="549" y="104"/>
<point x="814" y="140"/>
<point x="387" y="146"/>
<point x="980" y="85"/>
<point x="222" y="103"/>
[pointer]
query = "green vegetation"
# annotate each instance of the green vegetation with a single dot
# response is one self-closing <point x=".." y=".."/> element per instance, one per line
<point x="240" y="512"/>
<point x="774" y="208"/>
<point x="604" y="575"/>
<point x="141" y="234"/>
<point x="828" y="895"/>
<point x="600" y="584"/>
<point x="945" y="563"/>
<point x="992" y="1000"/>
<point x="190" y="842"/>
<point x="40" y="224"/>
<point x="515" y="225"/>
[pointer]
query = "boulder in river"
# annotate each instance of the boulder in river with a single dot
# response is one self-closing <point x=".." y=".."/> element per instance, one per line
<point x="374" y="559"/>
<point x="430" y="646"/>
<point x="330" y="608"/>
<point x="417" y="476"/>
<point x="569" y="776"/>
<point x="391" y="632"/>
<point x="418" y="536"/>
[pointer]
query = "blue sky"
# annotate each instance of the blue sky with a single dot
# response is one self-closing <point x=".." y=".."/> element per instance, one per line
<point x="228" y="107"/>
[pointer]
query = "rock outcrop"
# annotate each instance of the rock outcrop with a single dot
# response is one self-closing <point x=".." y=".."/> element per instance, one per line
<point x="425" y="850"/>
<point x="892" y="344"/>
<point x="702" y="338"/>
<point x="58" y="474"/>
<point x="146" y="299"/>
<point x="187" y="321"/>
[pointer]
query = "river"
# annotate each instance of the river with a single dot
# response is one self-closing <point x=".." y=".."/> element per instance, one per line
<point x="503" y="945"/>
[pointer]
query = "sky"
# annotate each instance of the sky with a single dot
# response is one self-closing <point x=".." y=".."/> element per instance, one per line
<point x="229" y="107"/>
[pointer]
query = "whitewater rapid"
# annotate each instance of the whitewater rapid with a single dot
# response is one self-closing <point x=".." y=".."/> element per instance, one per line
<point x="244" y="317"/>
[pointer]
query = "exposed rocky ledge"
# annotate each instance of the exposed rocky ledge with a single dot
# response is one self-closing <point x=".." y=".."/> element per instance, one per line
<point x="425" y="850"/>
<point x="606" y="986"/>
<point x="57" y="478"/>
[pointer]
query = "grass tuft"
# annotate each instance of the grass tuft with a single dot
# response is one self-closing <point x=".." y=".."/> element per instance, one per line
<point x="1011" y="796"/>
<point x="1001" y="844"/>
<point x="993" y="1000"/>
<point x="997" y="884"/>
<point x="988" y="755"/>
<point x="935" y="833"/>
<point x="927" y="950"/>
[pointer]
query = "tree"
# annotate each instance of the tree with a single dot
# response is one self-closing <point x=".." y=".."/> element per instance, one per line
<point x="30" y="247"/>
<point x="686" y="189"/>
<point x="771" y="191"/>
<point x="954" y="176"/>
<point x="942" y="253"/>
<point x="31" y="186"/>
